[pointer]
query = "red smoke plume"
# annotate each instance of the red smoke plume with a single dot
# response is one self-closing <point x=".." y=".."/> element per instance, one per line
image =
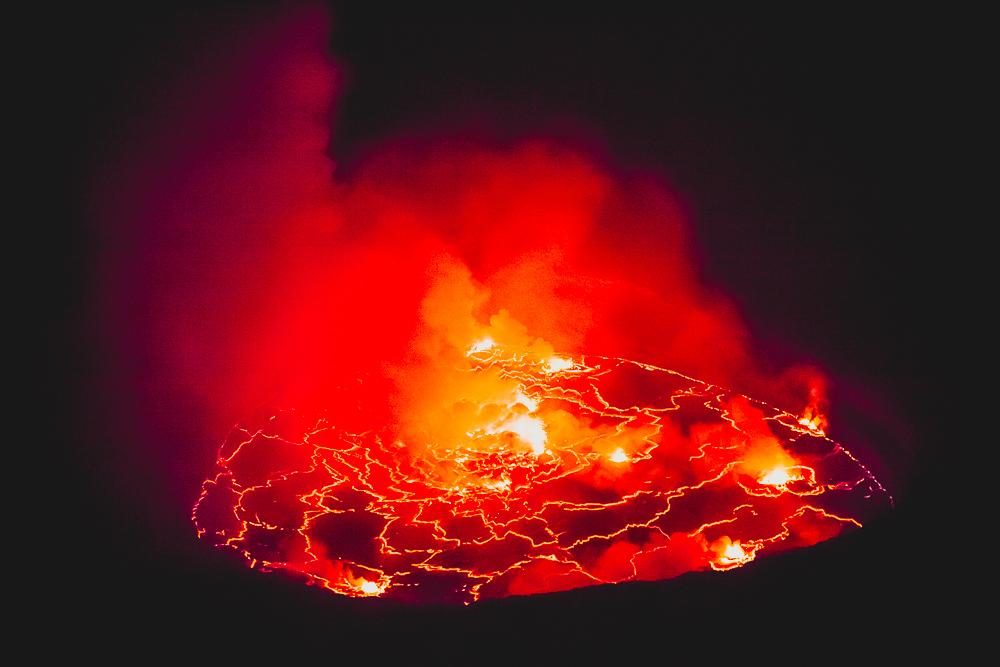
<point x="245" y="270"/>
<point x="261" y="277"/>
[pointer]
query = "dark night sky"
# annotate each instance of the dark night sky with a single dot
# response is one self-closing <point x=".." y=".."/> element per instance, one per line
<point x="801" y="144"/>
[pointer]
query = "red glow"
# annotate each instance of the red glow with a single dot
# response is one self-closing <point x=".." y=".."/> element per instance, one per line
<point x="603" y="489"/>
<point x="433" y="316"/>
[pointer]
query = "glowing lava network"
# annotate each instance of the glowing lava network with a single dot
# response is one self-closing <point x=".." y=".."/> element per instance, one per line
<point x="568" y="472"/>
<point x="429" y="312"/>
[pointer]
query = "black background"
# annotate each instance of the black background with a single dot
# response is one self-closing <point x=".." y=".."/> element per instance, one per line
<point x="805" y="145"/>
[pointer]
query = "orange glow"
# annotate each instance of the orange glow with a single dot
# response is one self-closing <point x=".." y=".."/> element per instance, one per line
<point x="814" y="421"/>
<point x="529" y="429"/>
<point x="370" y="588"/>
<point x="481" y="345"/>
<point x="732" y="554"/>
<point x="558" y="364"/>
<point x="468" y="331"/>
<point x="813" y="415"/>
<point x="618" y="456"/>
<point x="496" y="480"/>
<point x="779" y="477"/>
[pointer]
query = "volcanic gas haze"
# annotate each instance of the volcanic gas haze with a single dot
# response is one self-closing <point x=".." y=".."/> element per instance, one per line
<point x="469" y="341"/>
<point x="512" y="470"/>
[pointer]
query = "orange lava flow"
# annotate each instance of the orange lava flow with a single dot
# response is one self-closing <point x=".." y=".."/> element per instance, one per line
<point x="572" y="471"/>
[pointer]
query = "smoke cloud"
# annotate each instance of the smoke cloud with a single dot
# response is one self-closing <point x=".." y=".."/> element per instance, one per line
<point x="244" y="269"/>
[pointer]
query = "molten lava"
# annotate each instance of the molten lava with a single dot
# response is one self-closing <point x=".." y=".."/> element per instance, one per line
<point x="472" y="460"/>
<point x="548" y="473"/>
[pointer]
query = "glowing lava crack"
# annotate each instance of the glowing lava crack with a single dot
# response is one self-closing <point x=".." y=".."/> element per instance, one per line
<point x="585" y="471"/>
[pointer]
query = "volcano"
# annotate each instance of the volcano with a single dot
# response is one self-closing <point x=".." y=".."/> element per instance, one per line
<point x="567" y="472"/>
